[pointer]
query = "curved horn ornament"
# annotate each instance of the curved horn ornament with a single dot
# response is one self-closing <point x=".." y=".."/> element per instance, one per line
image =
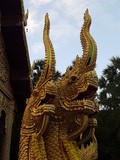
<point x="88" y="59"/>
<point x="49" y="68"/>
<point x="88" y="44"/>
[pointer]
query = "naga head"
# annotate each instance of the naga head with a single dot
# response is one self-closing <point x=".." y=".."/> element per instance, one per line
<point x="77" y="89"/>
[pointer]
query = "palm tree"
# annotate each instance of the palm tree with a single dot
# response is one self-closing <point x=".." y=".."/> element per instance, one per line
<point x="108" y="130"/>
<point x="37" y="67"/>
<point x="109" y="84"/>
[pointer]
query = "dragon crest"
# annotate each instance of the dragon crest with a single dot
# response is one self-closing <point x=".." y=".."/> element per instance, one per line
<point x="59" y="119"/>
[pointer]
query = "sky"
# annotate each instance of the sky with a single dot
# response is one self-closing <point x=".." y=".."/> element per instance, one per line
<point x="66" y="19"/>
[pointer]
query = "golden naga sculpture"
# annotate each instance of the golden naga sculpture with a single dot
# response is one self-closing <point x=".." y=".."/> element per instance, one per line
<point x="59" y="120"/>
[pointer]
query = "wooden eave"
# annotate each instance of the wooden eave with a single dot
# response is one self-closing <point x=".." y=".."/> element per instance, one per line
<point x="13" y="30"/>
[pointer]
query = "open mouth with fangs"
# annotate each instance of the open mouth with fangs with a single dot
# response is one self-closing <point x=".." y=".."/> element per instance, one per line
<point x="84" y="101"/>
<point x="88" y="140"/>
<point x="90" y="93"/>
<point x="49" y="98"/>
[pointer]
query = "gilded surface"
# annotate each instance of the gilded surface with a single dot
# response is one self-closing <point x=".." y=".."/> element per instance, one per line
<point x="59" y="120"/>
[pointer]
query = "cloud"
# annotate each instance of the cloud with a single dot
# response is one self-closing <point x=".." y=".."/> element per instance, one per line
<point x="66" y="17"/>
<point x="68" y="12"/>
<point x="38" y="3"/>
<point x="61" y="30"/>
<point x="70" y="8"/>
<point x="33" y="23"/>
<point x="38" y="49"/>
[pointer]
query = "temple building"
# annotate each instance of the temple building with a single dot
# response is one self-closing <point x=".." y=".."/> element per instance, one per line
<point x="15" y="80"/>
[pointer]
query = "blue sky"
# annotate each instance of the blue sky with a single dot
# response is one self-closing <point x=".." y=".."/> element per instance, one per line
<point x="66" y="17"/>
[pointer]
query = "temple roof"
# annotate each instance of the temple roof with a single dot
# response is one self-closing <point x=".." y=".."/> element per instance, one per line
<point x="13" y="30"/>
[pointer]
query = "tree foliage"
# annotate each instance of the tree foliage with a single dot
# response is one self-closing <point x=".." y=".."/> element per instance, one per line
<point x="108" y="130"/>
<point x="109" y="84"/>
<point x="108" y="135"/>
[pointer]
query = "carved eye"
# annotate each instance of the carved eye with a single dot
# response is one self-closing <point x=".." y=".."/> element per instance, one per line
<point x="74" y="78"/>
<point x="35" y="93"/>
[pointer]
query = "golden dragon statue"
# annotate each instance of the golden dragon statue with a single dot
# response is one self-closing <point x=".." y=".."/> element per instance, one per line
<point x="60" y="117"/>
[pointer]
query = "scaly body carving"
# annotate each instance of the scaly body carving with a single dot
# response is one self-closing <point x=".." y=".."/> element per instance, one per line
<point x="59" y="119"/>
